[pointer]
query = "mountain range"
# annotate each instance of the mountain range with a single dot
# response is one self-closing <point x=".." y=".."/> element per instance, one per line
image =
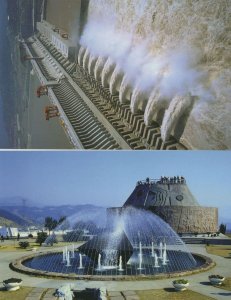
<point x="19" y="211"/>
<point x="22" y="212"/>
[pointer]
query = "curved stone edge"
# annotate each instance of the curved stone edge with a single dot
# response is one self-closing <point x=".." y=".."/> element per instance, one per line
<point x="17" y="266"/>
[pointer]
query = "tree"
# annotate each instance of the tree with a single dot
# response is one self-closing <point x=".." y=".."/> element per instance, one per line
<point x="222" y="228"/>
<point x="41" y="237"/>
<point x="50" y="224"/>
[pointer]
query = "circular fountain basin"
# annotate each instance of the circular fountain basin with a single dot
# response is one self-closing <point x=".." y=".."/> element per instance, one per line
<point x="133" y="244"/>
<point x="38" y="265"/>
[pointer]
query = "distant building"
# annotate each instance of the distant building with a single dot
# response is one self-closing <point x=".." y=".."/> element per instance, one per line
<point x="8" y="231"/>
<point x="171" y="199"/>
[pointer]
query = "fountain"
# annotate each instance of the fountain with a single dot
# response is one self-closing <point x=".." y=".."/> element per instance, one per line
<point x="153" y="252"/>
<point x="80" y="261"/>
<point x="99" y="267"/>
<point x="121" y="265"/>
<point x="164" y="262"/>
<point x="118" y="238"/>
<point x="64" y="255"/>
<point x="161" y="250"/>
<point x="156" y="265"/>
<point x="68" y="259"/>
<point x="140" y="257"/>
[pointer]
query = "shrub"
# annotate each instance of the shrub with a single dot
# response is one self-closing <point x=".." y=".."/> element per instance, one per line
<point x="30" y="236"/>
<point x="216" y="276"/>
<point x="24" y="245"/>
<point x="41" y="237"/>
<point x="180" y="281"/>
<point x="11" y="280"/>
<point x="222" y="228"/>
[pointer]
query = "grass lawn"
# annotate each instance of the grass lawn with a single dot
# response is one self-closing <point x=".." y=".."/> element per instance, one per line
<point x="226" y="285"/>
<point x="13" y="245"/>
<point x="19" y="295"/>
<point x="221" y="250"/>
<point x="224" y="251"/>
<point x="171" y="294"/>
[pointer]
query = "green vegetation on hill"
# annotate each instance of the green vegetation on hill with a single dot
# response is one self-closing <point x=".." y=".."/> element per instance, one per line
<point x="8" y="215"/>
<point x="7" y="223"/>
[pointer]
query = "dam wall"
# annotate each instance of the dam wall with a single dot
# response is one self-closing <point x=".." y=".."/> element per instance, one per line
<point x="169" y="60"/>
<point x="158" y="70"/>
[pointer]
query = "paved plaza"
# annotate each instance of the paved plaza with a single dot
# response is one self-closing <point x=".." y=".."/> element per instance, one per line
<point x="198" y="282"/>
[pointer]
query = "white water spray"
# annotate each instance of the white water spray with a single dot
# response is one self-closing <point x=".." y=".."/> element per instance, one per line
<point x="135" y="36"/>
<point x="140" y="257"/>
<point x="81" y="55"/>
<point x="80" y="261"/>
<point x="155" y="108"/>
<point x="178" y="107"/>
<point x="156" y="265"/>
<point x="137" y="100"/>
<point x="125" y="91"/>
<point x="120" y="264"/>
<point x="153" y="252"/>
<point x="116" y="80"/>
<point x="164" y="257"/>
<point x="64" y="255"/>
<point x="107" y="72"/>
<point x="99" y="267"/>
<point x="91" y="64"/>
<point x="68" y="259"/>
<point x="161" y="250"/>
<point x="99" y="67"/>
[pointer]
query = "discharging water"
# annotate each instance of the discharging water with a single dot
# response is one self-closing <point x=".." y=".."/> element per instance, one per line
<point x="175" y="55"/>
<point x="136" y="242"/>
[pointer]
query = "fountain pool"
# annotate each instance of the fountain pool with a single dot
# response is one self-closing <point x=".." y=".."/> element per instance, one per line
<point x="132" y="242"/>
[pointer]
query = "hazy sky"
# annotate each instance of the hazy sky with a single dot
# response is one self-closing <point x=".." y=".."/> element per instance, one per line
<point x="107" y="178"/>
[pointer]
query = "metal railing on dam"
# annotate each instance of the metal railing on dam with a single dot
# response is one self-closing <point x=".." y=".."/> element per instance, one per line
<point x="97" y="118"/>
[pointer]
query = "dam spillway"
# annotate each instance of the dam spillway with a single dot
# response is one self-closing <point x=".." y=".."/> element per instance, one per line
<point x="115" y="126"/>
<point x="153" y="85"/>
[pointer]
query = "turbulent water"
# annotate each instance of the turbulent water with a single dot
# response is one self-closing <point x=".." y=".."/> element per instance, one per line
<point x="169" y="49"/>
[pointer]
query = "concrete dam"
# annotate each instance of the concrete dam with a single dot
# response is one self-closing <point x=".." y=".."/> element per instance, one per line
<point x="139" y="74"/>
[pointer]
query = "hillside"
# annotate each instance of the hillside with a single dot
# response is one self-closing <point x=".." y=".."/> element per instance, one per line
<point x="25" y="215"/>
<point x="7" y="223"/>
<point x="9" y="217"/>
